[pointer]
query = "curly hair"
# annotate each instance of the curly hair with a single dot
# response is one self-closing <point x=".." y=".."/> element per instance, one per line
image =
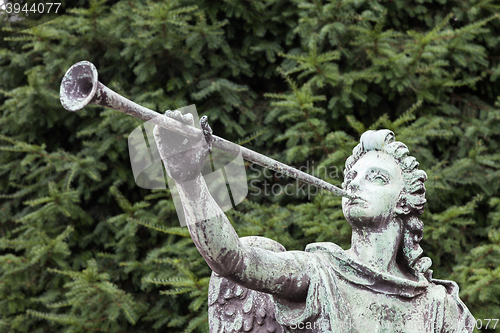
<point x="412" y="196"/>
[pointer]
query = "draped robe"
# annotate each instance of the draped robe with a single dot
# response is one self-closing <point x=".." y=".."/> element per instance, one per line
<point x="345" y="295"/>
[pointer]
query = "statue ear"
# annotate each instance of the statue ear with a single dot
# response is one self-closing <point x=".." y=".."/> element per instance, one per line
<point x="402" y="207"/>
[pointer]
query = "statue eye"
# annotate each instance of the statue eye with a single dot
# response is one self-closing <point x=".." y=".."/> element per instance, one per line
<point x="378" y="178"/>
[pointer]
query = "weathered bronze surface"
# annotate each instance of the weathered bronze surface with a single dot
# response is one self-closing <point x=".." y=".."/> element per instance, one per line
<point x="381" y="284"/>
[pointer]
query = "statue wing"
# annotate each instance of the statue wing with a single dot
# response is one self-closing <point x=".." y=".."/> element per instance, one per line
<point x="234" y="308"/>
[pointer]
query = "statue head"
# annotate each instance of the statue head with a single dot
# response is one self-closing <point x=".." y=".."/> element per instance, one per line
<point x="390" y="189"/>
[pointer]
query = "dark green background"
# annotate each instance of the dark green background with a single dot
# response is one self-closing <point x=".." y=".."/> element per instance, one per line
<point x="84" y="249"/>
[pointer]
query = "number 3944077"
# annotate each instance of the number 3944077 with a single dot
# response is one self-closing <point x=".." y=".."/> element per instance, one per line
<point x="38" y="8"/>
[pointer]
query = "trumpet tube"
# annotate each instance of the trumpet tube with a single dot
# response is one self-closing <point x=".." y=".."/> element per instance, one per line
<point x="80" y="86"/>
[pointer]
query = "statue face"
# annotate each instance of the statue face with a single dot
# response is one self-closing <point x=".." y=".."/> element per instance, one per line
<point x="377" y="180"/>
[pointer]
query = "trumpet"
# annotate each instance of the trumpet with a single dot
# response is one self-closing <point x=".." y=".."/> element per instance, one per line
<point x="80" y="86"/>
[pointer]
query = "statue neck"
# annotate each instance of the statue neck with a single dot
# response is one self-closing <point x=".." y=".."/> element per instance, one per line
<point x="378" y="248"/>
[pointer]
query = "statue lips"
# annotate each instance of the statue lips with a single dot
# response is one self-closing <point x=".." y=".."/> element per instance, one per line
<point x="356" y="201"/>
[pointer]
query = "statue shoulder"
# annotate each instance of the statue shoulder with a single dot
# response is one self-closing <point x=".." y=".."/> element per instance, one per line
<point x="324" y="247"/>
<point x="456" y="316"/>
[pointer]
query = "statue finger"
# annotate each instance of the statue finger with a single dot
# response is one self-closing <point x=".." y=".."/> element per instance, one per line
<point x="177" y="115"/>
<point x="188" y="119"/>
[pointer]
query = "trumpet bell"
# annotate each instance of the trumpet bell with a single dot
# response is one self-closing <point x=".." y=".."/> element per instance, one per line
<point x="78" y="86"/>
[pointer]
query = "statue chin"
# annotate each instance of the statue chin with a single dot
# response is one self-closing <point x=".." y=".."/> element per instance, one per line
<point x="360" y="218"/>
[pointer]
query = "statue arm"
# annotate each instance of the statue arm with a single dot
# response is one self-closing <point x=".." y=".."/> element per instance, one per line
<point x="283" y="274"/>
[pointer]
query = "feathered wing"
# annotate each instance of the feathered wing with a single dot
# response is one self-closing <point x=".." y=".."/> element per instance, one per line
<point x="234" y="308"/>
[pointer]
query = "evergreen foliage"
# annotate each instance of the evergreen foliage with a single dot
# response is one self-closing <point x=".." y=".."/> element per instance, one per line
<point x="82" y="248"/>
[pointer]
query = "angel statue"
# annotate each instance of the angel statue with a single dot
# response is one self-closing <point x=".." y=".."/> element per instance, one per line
<point x="380" y="284"/>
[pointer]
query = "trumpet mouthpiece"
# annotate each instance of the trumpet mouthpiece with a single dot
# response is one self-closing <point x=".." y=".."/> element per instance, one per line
<point x="78" y="86"/>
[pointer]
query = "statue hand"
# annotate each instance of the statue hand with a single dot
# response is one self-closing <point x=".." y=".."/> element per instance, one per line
<point x="183" y="158"/>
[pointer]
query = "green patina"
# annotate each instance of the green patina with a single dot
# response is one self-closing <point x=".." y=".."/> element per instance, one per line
<point x="381" y="284"/>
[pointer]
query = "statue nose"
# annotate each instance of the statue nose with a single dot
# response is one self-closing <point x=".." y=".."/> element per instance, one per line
<point x="353" y="186"/>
